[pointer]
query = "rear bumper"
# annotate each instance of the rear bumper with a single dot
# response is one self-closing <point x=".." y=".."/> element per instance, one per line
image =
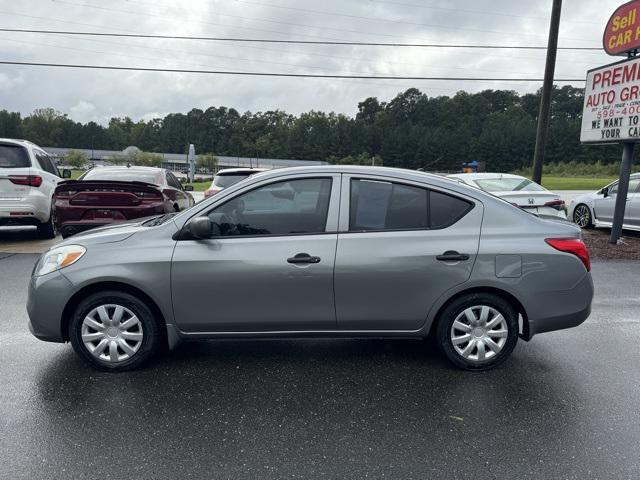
<point x="561" y="310"/>
<point x="72" y="228"/>
<point x="32" y="210"/>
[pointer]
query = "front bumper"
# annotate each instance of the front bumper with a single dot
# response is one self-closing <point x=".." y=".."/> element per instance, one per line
<point x="46" y="299"/>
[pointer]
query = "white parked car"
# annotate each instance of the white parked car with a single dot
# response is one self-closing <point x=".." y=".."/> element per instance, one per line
<point x="229" y="176"/>
<point x="596" y="209"/>
<point x="28" y="177"/>
<point x="518" y="190"/>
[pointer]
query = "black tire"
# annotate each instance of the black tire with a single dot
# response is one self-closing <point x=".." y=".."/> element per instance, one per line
<point x="48" y="229"/>
<point x="582" y="216"/>
<point x="456" y="308"/>
<point x="152" y="338"/>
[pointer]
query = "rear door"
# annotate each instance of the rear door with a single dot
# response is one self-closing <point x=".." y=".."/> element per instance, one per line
<point x="400" y="247"/>
<point x="14" y="162"/>
<point x="48" y="172"/>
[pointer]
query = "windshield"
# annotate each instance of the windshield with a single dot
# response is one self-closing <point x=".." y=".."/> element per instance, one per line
<point x="123" y="175"/>
<point x="224" y="181"/>
<point x="508" y="185"/>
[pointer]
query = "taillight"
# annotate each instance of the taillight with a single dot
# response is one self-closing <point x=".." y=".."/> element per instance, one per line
<point x="30" y="180"/>
<point x="557" y="204"/>
<point x="574" y="246"/>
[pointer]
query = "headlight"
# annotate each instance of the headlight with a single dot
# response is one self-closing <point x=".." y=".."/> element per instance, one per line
<point x="58" y="258"/>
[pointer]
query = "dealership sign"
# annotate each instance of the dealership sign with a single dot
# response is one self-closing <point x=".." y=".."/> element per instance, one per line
<point x="622" y="34"/>
<point x="612" y="103"/>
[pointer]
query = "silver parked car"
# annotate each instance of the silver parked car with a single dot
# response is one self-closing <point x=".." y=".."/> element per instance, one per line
<point x="334" y="251"/>
<point x="518" y="190"/>
<point x="596" y="209"/>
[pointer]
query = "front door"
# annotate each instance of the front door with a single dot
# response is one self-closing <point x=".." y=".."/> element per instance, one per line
<point x="271" y="267"/>
<point x="400" y="247"/>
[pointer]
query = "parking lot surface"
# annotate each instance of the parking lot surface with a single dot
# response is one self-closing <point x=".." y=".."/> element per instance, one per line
<point x="564" y="406"/>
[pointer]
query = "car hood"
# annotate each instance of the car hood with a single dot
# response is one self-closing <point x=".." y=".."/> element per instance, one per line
<point x="108" y="234"/>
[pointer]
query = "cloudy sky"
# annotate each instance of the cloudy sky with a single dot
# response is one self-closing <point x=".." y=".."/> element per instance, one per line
<point x="98" y="95"/>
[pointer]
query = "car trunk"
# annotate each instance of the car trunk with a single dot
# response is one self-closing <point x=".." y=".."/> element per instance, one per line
<point x="528" y="199"/>
<point x="107" y="193"/>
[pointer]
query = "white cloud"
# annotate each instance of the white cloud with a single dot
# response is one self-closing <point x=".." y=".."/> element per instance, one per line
<point x="97" y="94"/>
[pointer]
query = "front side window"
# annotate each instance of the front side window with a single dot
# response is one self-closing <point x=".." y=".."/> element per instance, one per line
<point x="283" y="208"/>
<point x="380" y="205"/>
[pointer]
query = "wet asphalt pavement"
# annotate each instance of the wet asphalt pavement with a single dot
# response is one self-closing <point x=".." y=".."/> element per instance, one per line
<point x="567" y="405"/>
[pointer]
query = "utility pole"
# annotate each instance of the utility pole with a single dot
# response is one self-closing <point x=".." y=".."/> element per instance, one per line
<point x="547" y="87"/>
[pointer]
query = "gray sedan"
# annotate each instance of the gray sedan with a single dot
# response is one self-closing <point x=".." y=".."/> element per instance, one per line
<point x="317" y="251"/>
<point x="596" y="209"/>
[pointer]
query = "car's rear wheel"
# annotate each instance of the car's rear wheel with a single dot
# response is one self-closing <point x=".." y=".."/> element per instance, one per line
<point x="48" y="229"/>
<point x="114" y="331"/>
<point x="582" y="216"/>
<point x="478" y="331"/>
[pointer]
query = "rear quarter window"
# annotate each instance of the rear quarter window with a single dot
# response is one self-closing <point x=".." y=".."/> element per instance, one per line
<point x="14" y="156"/>
<point x="445" y="210"/>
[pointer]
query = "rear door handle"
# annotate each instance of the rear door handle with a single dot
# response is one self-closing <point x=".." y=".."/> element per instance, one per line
<point x="452" y="256"/>
<point x="303" y="258"/>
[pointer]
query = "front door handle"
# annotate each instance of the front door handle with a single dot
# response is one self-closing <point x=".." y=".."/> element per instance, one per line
<point x="452" y="256"/>
<point x="303" y="258"/>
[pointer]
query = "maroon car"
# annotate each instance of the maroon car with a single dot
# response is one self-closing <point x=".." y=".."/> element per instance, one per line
<point x="107" y="195"/>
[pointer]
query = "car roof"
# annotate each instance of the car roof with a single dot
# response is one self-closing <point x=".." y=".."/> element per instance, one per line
<point x="230" y="171"/>
<point x="482" y="175"/>
<point x="131" y="168"/>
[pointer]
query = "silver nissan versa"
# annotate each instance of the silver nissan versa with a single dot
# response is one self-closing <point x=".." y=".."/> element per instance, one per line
<point x="325" y="251"/>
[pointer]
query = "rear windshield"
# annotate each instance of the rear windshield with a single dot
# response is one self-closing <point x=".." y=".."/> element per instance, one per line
<point x="123" y="176"/>
<point x="225" y="181"/>
<point x="508" y="185"/>
<point x="14" y="156"/>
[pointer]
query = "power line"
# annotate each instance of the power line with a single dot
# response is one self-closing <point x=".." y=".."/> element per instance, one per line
<point x="294" y="75"/>
<point x="297" y="42"/>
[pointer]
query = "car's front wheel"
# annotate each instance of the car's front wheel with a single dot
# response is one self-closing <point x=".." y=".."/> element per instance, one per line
<point x="478" y="331"/>
<point x="114" y="331"/>
<point x="582" y="216"/>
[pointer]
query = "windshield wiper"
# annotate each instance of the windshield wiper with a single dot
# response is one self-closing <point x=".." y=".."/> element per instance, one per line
<point x="154" y="222"/>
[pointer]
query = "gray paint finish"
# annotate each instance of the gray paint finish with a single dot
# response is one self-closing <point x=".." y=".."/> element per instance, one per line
<point x="383" y="283"/>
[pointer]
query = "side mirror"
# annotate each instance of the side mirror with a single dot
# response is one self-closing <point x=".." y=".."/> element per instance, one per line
<point x="605" y="192"/>
<point x="201" y="228"/>
<point x="66" y="173"/>
<point x="188" y="188"/>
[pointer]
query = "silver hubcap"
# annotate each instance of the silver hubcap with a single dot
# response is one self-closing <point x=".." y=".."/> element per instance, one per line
<point x="112" y="333"/>
<point x="479" y="333"/>
<point x="581" y="216"/>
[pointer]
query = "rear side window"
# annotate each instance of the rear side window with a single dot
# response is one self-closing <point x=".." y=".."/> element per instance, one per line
<point x="445" y="210"/>
<point x="14" y="156"/>
<point x="379" y="205"/>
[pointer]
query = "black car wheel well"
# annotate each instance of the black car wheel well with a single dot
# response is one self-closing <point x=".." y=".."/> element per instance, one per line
<point x="73" y="302"/>
<point x="515" y="303"/>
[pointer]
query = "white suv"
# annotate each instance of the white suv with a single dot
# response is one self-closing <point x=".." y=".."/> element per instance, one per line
<point x="28" y="177"/>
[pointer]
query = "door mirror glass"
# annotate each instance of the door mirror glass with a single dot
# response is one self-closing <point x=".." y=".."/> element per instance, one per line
<point x="605" y="192"/>
<point x="201" y="228"/>
<point x="188" y="188"/>
<point x="66" y="173"/>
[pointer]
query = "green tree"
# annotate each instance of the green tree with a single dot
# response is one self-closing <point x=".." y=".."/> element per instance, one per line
<point x="207" y="162"/>
<point x="75" y="159"/>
